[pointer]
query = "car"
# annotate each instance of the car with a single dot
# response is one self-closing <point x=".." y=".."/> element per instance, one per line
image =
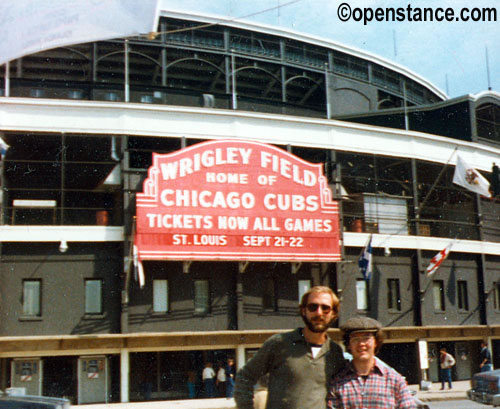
<point x="485" y="388"/>
<point x="33" y="402"/>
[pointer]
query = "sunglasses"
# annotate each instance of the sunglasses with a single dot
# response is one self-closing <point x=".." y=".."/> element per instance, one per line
<point x="313" y="307"/>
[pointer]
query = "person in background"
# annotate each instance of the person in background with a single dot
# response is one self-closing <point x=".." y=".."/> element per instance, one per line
<point x="485" y="357"/>
<point x="365" y="382"/>
<point x="446" y="361"/>
<point x="300" y="363"/>
<point x="230" y="374"/>
<point x="221" y="380"/>
<point x="191" y="384"/>
<point x="208" y="377"/>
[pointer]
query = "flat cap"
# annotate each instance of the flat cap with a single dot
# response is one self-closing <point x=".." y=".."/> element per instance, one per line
<point x="361" y="324"/>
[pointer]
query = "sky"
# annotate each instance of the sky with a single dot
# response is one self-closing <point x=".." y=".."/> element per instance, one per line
<point x="455" y="56"/>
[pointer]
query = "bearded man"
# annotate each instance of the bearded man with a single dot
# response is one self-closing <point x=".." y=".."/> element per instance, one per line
<point x="300" y="363"/>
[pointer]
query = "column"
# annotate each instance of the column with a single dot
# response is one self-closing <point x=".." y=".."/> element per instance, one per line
<point x="240" y="357"/>
<point x="124" y="375"/>
<point x="423" y="359"/>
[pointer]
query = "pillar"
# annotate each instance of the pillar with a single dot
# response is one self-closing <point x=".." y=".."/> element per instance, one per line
<point x="240" y="357"/>
<point x="124" y="375"/>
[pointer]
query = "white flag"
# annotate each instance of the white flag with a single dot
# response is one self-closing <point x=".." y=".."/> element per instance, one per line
<point x="138" y="268"/>
<point x="31" y="26"/>
<point x="469" y="178"/>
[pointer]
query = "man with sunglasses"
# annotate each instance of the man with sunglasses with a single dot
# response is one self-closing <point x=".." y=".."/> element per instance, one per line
<point x="299" y="363"/>
<point x="365" y="382"/>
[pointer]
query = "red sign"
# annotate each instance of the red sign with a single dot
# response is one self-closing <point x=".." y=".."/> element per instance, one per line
<point x="236" y="200"/>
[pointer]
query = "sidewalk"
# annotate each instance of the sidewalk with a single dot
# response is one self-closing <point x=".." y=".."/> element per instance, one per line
<point x="433" y="394"/>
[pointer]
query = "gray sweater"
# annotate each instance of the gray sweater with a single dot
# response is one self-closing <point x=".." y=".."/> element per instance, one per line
<point x="296" y="379"/>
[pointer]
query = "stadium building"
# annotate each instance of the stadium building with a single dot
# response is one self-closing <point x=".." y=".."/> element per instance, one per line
<point x="86" y="317"/>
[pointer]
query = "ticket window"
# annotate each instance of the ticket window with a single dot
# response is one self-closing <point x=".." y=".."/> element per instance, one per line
<point x="93" y="380"/>
<point x="27" y="374"/>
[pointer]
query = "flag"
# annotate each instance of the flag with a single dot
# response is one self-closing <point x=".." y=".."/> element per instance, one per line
<point x="138" y="267"/>
<point x="31" y="26"/>
<point x="3" y="148"/>
<point x="437" y="260"/>
<point x="365" y="260"/>
<point x="469" y="178"/>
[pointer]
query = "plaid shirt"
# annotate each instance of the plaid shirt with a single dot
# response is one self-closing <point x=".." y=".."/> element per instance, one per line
<point x="384" y="388"/>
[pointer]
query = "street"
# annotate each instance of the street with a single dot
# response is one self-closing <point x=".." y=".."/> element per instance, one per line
<point x="457" y="404"/>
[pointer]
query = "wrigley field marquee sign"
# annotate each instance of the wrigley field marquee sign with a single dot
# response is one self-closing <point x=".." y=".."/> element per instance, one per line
<point x="236" y="200"/>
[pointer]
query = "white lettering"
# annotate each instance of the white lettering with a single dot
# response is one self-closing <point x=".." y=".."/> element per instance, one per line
<point x="207" y="199"/>
<point x="209" y="240"/>
<point x="273" y="201"/>
<point x="207" y="159"/>
<point x="169" y="170"/>
<point x="185" y="167"/>
<point x="286" y="169"/>
<point x="233" y="223"/>
<point x="230" y="178"/>
<point x="256" y="241"/>
<point x="266" y="224"/>
<point x="179" y="221"/>
<point x="308" y="225"/>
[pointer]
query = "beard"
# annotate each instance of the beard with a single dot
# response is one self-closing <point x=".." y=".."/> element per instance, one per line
<point x="317" y="324"/>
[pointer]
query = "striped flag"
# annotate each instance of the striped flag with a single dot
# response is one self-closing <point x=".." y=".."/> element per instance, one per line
<point x="365" y="260"/>
<point x="438" y="259"/>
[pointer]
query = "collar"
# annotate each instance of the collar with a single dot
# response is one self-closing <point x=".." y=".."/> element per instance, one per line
<point x="378" y="368"/>
<point x="298" y="337"/>
<point x="303" y="339"/>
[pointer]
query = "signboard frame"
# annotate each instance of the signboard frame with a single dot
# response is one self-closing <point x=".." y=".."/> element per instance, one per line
<point x="233" y="200"/>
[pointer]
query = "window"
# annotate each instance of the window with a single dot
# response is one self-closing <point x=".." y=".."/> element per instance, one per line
<point x="36" y="200"/>
<point x="201" y="297"/>
<point x="160" y="295"/>
<point x="93" y="296"/>
<point x="304" y="286"/>
<point x="438" y="295"/>
<point x="362" y="300"/>
<point x="388" y="213"/>
<point x="32" y="298"/>
<point x="393" y="294"/>
<point x="496" y="296"/>
<point x="463" y="299"/>
<point x="488" y="121"/>
<point x="269" y="295"/>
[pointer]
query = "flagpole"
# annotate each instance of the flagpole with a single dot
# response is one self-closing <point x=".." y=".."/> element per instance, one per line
<point x="7" y="79"/>
<point x="348" y="280"/>
<point x="435" y="183"/>
<point x="130" y="254"/>
<point x="425" y="289"/>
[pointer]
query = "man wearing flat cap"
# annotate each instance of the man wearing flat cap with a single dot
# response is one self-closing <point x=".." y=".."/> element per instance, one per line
<point x="366" y="382"/>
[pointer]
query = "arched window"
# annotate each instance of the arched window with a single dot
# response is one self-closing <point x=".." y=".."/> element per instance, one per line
<point x="488" y="121"/>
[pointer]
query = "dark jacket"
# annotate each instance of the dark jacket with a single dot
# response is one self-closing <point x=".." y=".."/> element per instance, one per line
<point x="296" y="379"/>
